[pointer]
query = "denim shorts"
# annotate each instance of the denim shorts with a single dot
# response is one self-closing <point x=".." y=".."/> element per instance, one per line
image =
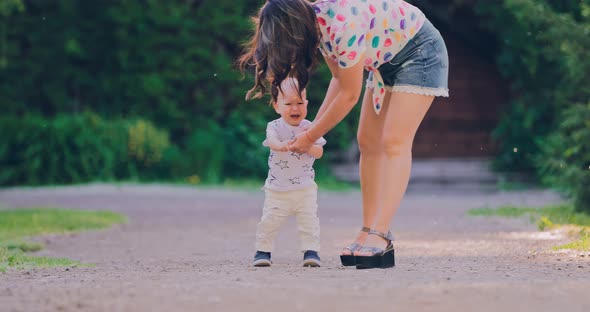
<point x="421" y="67"/>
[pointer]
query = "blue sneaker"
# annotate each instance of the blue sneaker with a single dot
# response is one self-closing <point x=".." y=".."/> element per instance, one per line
<point x="311" y="259"/>
<point x="261" y="259"/>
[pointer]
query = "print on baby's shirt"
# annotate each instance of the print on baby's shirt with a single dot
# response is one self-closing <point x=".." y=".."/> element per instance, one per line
<point x="297" y="155"/>
<point x="307" y="168"/>
<point x="288" y="170"/>
<point x="282" y="164"/>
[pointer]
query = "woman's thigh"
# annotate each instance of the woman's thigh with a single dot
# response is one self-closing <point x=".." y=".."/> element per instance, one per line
<point x="371" y="125"/>
<point x="405" y="113"/>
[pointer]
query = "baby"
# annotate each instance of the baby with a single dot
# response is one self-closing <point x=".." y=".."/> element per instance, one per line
<point x="290" y="187"/>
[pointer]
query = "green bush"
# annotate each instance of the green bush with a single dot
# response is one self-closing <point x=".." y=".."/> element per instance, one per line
<point x="245" y="157"/>
<point x="167" y="62"/>
<point x="542" y="50"/>
<point x="204" y="153"/>
<point x="565" y="161"/>
<point x="146" y="144"/>
<point x="77" y="148"/>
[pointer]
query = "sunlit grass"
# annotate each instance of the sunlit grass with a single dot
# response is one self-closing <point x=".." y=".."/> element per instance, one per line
<point x="548" y="217"/>
<point x="582" y="244"/>
<point x="22" y="246"/>
<point x="18" y="224"/>
<point x="19" y="260"/>
<point x="556" y="214"/>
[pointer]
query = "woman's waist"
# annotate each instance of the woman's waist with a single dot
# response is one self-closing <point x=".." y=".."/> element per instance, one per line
<point x="426" y="33"/>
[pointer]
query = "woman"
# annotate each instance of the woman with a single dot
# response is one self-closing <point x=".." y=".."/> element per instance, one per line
<point x="408" y="66"/>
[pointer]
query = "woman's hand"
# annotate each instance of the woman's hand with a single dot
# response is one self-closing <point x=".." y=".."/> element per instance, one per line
<point x="301" y="144"/>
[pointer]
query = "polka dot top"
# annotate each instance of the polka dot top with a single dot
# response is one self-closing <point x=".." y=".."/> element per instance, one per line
<point x="374" y="30"/>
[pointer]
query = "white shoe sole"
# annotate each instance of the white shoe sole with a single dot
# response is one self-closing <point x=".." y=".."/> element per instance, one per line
<point x="262" y="263"/>
<point x="312" y="263"/>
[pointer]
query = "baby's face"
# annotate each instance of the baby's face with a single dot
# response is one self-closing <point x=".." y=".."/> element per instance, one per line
<point x="291" y="107"/>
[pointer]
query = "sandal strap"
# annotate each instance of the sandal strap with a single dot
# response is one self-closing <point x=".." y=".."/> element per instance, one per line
<point x="353" y="247"/>
<point x="388" y="237"/>
<point x="372" y="250"/>
<point x="376" y="250"/>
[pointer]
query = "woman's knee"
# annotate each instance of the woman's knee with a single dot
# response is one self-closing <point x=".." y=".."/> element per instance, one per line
<point x="395" y="145"/>
<point x="368" y="144"/>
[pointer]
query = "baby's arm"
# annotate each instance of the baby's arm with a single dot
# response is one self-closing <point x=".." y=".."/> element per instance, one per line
<point x="272" y="140"/>
<point x="316" y="151"/>
<point x="276" y="145"/>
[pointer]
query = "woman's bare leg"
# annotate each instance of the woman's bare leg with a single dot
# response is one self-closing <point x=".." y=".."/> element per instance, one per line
<point x="405" y="113"/>
<point x="372" y="153"/>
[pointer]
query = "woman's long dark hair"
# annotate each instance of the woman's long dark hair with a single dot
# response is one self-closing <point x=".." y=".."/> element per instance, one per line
<point x="284" y="44"/>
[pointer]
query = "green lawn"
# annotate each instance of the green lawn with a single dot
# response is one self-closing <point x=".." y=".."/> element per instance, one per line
<point x="324" y="184"/>
<point x="546" y="218"/>
<point x="18" y="224"/>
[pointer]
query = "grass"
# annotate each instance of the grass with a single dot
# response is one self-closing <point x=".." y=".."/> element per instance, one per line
<point x="18" y="224"/>
<point x="513" y="186"/>
<point x="19" y="260"/>
<point x="507" y="211"/>
<point x="328" y="183"/>
<point x="325" y="183"/>
<point x="548" y="217"/>
<point x="582" y="244"/>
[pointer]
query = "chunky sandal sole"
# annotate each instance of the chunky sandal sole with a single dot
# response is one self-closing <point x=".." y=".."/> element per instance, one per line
<point x="384" y="261"/>
<point x="348" y="260"/>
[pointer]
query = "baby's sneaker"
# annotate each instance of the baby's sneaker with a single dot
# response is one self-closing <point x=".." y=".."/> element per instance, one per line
<point x="261" y="259"/>
<point x="311" y="259"/>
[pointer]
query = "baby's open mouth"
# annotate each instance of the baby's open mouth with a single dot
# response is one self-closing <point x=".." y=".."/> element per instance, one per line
<point x="295" y="116"/>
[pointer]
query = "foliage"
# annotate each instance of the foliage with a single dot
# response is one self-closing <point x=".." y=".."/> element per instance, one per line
<point x="543" y="51"/>
<point x="168" y="63"/>
<point x="565" y="161"/>
<point x="75" y="149"/>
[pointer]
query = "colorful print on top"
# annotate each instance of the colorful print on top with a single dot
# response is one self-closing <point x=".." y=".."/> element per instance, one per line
<point x="374" y="29"/>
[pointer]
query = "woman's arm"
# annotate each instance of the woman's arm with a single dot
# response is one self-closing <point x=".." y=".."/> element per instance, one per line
<point x="333" y="88"/>
<point x="348" y="90"/>
<point x="316" y="151"/>
<point x="347" y="86"/>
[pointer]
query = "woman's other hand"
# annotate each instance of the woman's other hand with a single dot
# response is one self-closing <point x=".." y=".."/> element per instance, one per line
<point x="301" y="144"/>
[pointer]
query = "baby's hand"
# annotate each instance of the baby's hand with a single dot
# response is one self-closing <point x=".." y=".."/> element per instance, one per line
<point x="284" y="146"/>
<point x="281" y="146"/>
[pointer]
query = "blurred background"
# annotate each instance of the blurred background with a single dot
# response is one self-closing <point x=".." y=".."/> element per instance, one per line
<point x="147" y="90"/>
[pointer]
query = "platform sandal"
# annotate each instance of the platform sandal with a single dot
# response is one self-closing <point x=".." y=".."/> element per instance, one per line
<point x="349" y="260"/>
<point x="380" y="258"/>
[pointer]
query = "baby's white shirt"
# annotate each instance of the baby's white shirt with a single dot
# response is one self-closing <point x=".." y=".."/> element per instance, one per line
<point x="289" y="171"/>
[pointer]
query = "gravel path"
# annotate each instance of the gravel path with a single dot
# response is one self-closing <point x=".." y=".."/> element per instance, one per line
<point x="188" y="249"/>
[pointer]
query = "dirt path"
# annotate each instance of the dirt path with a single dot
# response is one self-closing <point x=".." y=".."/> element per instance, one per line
<point x="190" y="250"/>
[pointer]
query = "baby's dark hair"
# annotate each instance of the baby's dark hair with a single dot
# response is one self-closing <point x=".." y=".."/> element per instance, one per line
<point x="284" y="44"/>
